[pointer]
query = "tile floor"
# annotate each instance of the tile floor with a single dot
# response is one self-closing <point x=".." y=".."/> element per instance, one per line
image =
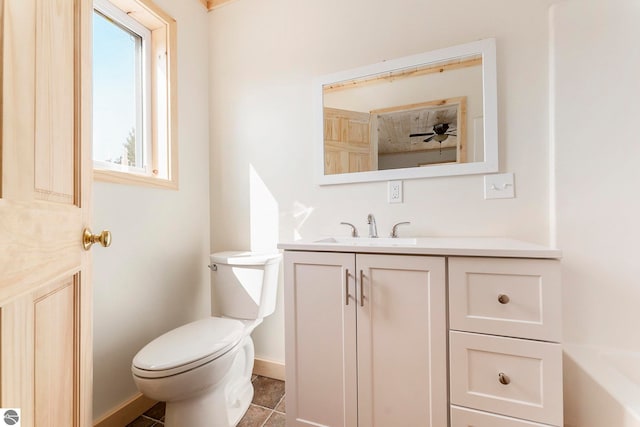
<point x="267" y="408"/>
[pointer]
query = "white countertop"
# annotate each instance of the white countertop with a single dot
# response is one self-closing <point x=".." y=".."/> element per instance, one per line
<point x="450" y="246"/>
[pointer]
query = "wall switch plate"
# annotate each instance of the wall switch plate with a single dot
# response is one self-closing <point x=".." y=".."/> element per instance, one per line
<point x="499" y="186"/>
<point x="395" y="192"/>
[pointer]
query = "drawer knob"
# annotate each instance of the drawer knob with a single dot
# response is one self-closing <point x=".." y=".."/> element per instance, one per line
<point x="503" y="299"/>
<point x="503" y="378"/>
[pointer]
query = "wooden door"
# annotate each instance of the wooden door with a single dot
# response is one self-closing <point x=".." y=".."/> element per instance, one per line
<point x="45" y="292"/>
<point x="320" y="327"/>
<point x="402" y="347"/>
<point x="347" y="144"/>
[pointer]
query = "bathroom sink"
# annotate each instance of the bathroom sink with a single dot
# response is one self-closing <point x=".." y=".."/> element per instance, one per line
<point x="369" y="241"/>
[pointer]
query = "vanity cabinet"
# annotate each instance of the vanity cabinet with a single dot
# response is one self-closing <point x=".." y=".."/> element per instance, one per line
<point x="365" y="339"/>
<point x="504" y="317"/>
<point x="458" y="332"/>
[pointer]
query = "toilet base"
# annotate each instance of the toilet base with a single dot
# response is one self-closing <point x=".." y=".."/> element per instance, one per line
<point x="208" y="410"/>
<point x="222" y="405"/>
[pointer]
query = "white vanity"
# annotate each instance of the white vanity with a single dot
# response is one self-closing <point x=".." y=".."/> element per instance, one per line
<point x="442" y="332"/>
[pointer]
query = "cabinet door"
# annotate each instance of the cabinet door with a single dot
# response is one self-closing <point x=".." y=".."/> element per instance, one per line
<point x="320" y="328"/>
<point x="401" y="322"/>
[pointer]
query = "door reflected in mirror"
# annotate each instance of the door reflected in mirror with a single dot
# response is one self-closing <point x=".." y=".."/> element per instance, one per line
<point x="413" y="117"/>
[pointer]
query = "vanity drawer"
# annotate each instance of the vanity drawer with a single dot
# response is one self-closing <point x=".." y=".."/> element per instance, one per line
<point x="530" y="386"/>
<point x="511" y="297"/>
<point x="465" y="417"/>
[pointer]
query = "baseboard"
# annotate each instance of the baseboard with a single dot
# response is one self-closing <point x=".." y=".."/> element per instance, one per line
<point x="126" y="412"/>
<point x="268" y="368"/>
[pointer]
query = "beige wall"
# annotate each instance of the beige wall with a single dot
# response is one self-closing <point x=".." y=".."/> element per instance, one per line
<point x="154" y="277"/>
<point x="573" y="67"/>
<point x="596" y="108"/>
<point x="265" y="55"/>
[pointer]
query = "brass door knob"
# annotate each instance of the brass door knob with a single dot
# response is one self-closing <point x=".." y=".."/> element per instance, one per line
<point x="88" y="238"/>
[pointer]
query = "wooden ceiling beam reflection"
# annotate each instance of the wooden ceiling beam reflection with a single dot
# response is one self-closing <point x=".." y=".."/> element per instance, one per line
<point x="440" y="67"/>
<point x="212" y="4"/>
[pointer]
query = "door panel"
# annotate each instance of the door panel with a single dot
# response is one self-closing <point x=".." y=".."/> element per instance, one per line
<point x="401" y="320"/>
<point x="39" y="340"/>
<point x="321" y="385"/>
<point x="54" y="107"/>
<point x="347" y="146"/>
<point x="45" y="295"/>
<point x="54" y="347"/>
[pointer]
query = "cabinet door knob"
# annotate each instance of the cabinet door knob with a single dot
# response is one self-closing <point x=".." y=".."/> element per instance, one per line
<point x="503" y="299"/>
<point x="503" y="378"/>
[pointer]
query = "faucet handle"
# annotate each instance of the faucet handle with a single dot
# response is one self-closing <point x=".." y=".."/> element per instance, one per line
<point x="354" y="230"/>
<point x="394" y="229"/>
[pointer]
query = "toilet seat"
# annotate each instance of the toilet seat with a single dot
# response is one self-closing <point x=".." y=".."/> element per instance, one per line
<point x="188" y="347"/>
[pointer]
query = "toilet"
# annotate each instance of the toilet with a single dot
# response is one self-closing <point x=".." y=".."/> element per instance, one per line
<point x="203" y="370"/>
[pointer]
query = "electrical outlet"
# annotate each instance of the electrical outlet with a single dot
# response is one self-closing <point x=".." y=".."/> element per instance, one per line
<point x="395" y="192"/>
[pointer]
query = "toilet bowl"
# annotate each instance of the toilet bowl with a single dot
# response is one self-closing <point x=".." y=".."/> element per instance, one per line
<point x="202" y="370"/>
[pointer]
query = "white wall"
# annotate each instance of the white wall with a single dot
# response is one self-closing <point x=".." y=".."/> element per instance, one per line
<point x="265" y="55"/>
<point x="597" y="105"/>
<point x="154" y="277"/>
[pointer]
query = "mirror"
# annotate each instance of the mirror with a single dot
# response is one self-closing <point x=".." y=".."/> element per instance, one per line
<point x="426" y="115"/>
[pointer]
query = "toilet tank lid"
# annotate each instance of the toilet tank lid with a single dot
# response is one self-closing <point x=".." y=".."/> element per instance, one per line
<point x="245" y="258"/>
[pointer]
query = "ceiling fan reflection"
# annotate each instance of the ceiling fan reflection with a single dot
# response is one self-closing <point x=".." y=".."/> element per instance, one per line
<point x="441" y="131"/>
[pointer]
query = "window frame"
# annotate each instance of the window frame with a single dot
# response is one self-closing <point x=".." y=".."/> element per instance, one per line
<point x="159" y="92"/>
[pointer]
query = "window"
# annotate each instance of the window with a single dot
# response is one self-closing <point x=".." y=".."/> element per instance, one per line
<point x="134" y="128"/>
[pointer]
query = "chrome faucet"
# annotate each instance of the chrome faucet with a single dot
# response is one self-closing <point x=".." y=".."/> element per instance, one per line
<point x="394" y="229"/>
<point x="354" y="230"/>
<point x="373" y="230"/>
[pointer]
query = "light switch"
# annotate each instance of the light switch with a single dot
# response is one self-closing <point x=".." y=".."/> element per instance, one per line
<point x="499" y="186"/>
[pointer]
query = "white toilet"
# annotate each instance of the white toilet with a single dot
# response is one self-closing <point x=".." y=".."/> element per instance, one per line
<point x="202" y="370"/>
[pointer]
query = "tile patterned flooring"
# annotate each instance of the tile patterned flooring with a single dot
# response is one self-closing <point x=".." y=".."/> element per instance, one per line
<point x="267" y="408"/>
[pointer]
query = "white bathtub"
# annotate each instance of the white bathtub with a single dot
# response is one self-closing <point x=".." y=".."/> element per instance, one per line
<point x="601" y="387"/>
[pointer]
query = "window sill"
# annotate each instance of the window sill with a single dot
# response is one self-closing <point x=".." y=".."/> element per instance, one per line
<point x="126" y="178"/>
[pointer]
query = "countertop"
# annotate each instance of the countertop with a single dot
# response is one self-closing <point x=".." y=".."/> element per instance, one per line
<point x="448" y="246"/>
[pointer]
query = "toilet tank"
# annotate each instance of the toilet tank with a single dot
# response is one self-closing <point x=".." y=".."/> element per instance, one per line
<point x="245" y="283"/>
